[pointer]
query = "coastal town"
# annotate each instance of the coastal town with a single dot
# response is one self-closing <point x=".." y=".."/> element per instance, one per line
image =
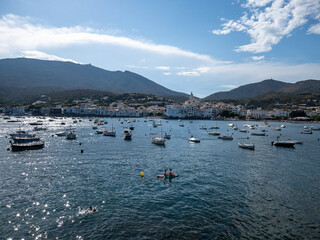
<point x="192" y="108"/>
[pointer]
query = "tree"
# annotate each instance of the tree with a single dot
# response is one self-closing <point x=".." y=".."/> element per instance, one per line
<point x="298" y="113"/>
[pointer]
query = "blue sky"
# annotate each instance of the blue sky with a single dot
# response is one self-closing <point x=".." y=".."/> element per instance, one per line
<point x="185" y="45"/>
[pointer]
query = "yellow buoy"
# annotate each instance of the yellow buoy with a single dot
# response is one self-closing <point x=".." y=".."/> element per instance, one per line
<point x="142" y="174"/>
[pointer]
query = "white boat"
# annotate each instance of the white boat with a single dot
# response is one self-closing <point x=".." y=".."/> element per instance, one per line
<point x="315" y="128"/>
<point x="214" y="133"/>
<point x="225" y="137"/>
<point x="158" y="141"/>
<point x="71" y="136"/>
<point x="181" y="125"/>
<point x="235" y="128"/>
<point x="100" y="131"/>
<point x="246" y="145"/>
<point x="230" y="124"/>
<point x="283" y="126"/>
<point x="306" y="131"/>
<point x="243" y="130"/>
<point x="61" y="134"/>
<point x="277" y="129"/>
<point x="193" y="139"/>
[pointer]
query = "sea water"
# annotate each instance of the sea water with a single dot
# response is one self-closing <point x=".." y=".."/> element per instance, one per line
<point x="222" y="191"/>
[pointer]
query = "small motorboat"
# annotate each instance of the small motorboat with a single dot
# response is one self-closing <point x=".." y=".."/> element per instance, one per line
<point x="280" y="143"/>
<point x="225" y="137"/>
<point x="158" y="141"/>
<point x="193" y="139"/>
<point x="214" y="133"/>
<point x="246" y="145"/>
<point x="71" y="136"/>
<point x="167" y="136"/>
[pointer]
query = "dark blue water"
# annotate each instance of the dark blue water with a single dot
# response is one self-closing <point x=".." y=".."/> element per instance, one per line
<point x="222" y="191"/>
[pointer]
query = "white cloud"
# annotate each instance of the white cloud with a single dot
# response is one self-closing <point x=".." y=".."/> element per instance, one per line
<point x="267" y="25"/>
<point x="315" y="29"/>
<point x="163" y="68"/>
<point x="44" y="56"/>
<point x="257" y="58"/>
<point x="20" y="34"/>
<point x="167" y="73"/>
<point x="229" y="86"/>
<point x="189" y="74"/>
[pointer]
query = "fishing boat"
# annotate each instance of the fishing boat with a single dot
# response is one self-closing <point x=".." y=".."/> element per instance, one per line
<point x="27" y="146"/>
<point x="111" y="133"/>
<point x="246" y="145"/>
<point x="127" y="135"/>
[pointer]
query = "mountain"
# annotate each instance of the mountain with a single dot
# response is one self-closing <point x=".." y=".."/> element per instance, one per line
<point x="33" y="76"/>
<point x="265" y="87"/>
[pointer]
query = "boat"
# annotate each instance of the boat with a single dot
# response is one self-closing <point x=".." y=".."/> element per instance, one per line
<point x="306" y="131"/>
<point x="158" y="141"/>
<point x="127" y="135"/>
<point x="167" y="136"/>
<point x="246" y="145"/>
<point x="283" y="126"/>
<point x="243" y="130"/>
<point x="94" y="127"/>
<point x="258" y="134"/>
<point x="25" y="139"/>
<point x="71" y="136"/>
<point x="315" y="128"/>
<point x="214" y="133"/>
<point x="235" y="128"/>
<point x="181" y="124"/>
<point x="225" y="137"/>
<point x="61" y="134"/>
<point x="35" y="123"/>
<point x="111" y="133"/>
<point x="27" y="146"/>
<point x="280" y="143"/>
<point x="21" y="133"/>
<point x="131" y="127"/>
<point x="277" y="129"/>
<point x="203" y="127"/>
<point x="39" y="128"/>
<point x="193" y="139"/>
<point x="230" y="124"/>
<point x="100" y="131"/>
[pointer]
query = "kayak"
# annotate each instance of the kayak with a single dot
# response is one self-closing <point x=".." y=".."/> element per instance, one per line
<point x="167" y="176"/>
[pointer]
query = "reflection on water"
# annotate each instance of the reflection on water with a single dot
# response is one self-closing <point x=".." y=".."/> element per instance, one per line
<point x="222" y="191"/>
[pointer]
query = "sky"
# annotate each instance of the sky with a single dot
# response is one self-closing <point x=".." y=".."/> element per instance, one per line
<point x="185" y="45"/>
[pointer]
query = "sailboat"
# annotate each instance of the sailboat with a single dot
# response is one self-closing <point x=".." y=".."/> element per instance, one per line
<point x="111" y="133"/>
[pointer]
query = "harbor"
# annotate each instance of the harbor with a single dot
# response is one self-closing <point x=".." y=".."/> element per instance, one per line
<point x="222" y="189"/>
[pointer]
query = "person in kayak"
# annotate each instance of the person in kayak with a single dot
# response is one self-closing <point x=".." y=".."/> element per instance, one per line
<point x="165" y="173"/>
<point x="170" y="173"/>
